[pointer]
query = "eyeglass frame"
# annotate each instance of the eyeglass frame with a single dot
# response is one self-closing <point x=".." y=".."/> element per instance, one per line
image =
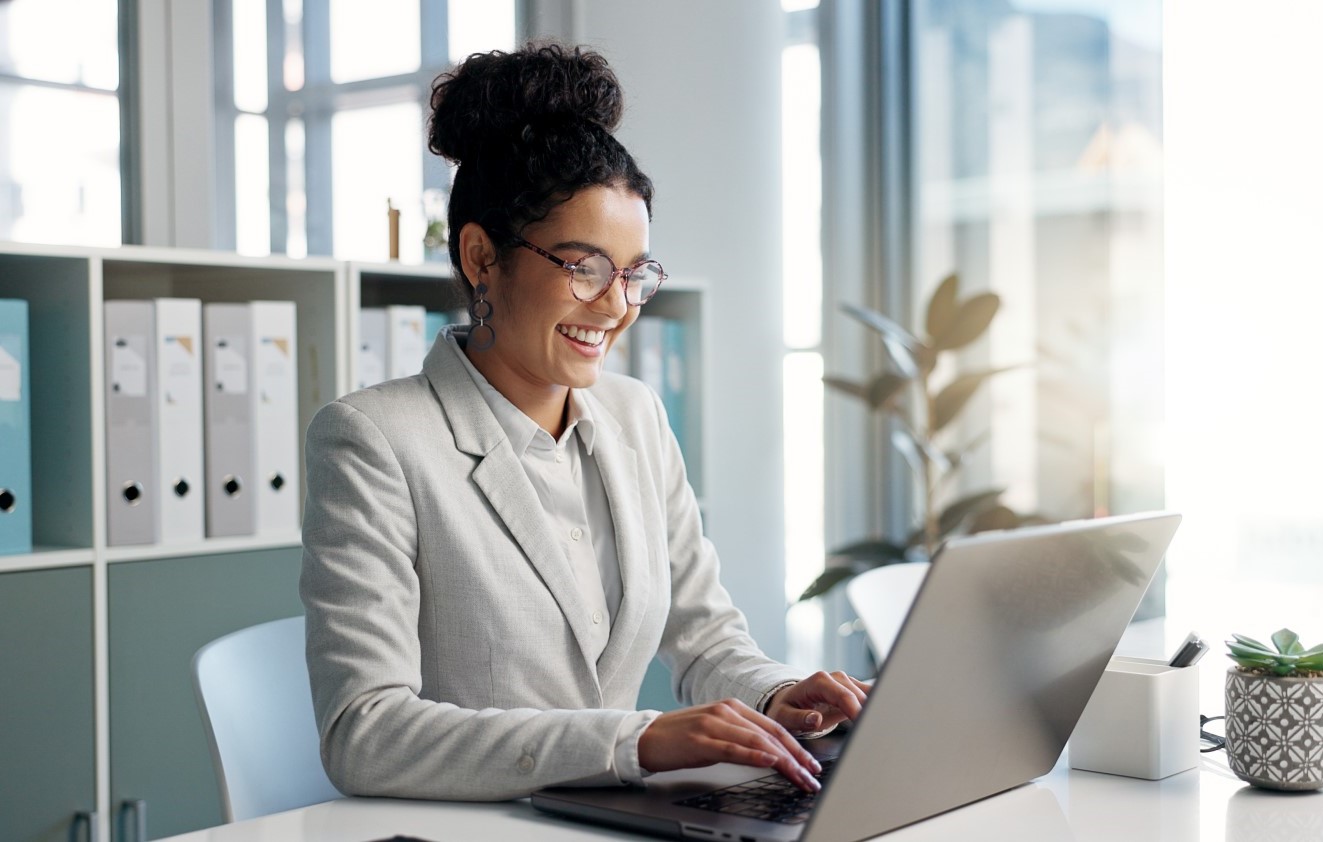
<point x="623" y="274"/>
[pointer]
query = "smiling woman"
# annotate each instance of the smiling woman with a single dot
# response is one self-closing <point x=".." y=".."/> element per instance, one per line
<point x="496" y="548"/>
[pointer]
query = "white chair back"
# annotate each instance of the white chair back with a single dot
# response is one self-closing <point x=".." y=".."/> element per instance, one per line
<point x="881" y="597"/>
<point x="256" y="703"/>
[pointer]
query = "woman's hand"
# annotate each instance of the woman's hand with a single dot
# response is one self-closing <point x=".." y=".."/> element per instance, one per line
<point x="725" y="732"/>
<point x="818" y="703"/>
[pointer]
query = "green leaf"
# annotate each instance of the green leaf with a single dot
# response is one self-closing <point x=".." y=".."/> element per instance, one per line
<point x="871" y="549"/>
<point x="1250" y="651"/>
<point x="1249" y="641"/>
<point x="1313" y="650"/>
<point x="850" y="387"/>
<point x="1252" y="663"/>
<point x="942" y="306"/>
<point x="902" y="345"/>
<point x="830" y="578"/>
<point x="1286" y="641"/>
<point x="997" y="517"/>
<point x="916" y="450"/>
<point x="971" y="320"/>
<point x="957" y="393"/>
<point x="884" y="388"/>
<point x="1283" y="669"/>
<point x="1310" y="662"/>
<point x="956" y="513"/>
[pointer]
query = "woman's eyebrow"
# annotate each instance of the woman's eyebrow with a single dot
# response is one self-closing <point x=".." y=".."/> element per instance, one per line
<point x="590" y="248"/>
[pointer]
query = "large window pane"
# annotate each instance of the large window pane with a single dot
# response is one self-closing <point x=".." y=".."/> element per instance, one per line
<point x="478" y="26"/>
<point x="376" y="159"/>
<point x="371" y="40"/>
<point x="1244" y="298"/>
<point x="250" y="55"/>
<point x="59" y="166"/>
<point x="70" y="41"/>
<point x="1038" y="144"/>
<point x="253" y="186"/>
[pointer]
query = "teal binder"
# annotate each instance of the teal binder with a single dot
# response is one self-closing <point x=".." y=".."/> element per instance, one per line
<point x="15" y="430"/>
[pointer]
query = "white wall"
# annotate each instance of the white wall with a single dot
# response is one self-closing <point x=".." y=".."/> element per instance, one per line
<point x="702" y="93"/>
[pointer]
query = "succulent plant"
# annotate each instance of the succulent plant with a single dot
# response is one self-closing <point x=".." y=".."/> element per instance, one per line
<point x="1289" y="657"/>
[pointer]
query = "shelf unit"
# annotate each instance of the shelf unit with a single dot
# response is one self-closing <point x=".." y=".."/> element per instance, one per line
<point x="118" y="716"/>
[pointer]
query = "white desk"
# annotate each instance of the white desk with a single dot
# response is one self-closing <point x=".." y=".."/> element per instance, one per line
<point x="1208" y="804"/>
<point x="1203" y="805"/>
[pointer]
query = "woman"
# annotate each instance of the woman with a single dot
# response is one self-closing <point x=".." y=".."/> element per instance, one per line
<point x="496" y="547"/>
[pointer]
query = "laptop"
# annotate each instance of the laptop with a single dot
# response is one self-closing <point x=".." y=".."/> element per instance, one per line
<point x="1001" y="649"/>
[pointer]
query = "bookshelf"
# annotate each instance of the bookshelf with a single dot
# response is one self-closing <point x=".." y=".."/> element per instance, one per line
<point x="117" y="722"/>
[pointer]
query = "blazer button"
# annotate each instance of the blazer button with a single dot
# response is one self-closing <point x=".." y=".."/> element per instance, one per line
<point x="525" y="764"/>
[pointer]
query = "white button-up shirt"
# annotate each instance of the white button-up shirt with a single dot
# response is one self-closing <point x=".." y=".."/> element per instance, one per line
<point x="565" y="476"/>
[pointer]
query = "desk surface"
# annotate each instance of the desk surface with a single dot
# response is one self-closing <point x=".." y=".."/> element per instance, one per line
<point x="1208" y="804"/>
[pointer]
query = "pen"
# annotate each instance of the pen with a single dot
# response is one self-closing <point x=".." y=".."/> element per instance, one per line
<point x="1189" y="652"/>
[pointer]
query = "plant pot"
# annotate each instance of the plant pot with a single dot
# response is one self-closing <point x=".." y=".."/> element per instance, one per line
<point x="1275" y="730"/>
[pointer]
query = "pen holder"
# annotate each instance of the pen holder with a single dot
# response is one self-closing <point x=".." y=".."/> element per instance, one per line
<point x="1142" y="721"/>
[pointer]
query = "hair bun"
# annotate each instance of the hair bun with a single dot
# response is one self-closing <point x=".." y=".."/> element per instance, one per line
<point x="504" y="97"/>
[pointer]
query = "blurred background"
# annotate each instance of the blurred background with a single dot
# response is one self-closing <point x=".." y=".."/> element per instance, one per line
<point x="1135" y="179"/>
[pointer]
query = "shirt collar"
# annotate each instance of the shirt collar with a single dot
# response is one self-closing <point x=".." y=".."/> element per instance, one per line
<point x="520" y="430"/>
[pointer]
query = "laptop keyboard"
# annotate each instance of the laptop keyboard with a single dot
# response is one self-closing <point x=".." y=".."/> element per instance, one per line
<point x="772" y="798"/>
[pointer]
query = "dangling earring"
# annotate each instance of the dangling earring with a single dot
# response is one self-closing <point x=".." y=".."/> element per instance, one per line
<point x="480" y="309"/>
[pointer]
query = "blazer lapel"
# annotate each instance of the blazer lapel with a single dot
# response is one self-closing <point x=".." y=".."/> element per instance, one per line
<point x="501" y="478"/>
<point x="618" y="465"/>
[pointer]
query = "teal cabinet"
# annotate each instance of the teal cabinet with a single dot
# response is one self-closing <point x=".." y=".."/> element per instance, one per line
<point x="47" y="720"/>
<point x="160" y="612"/>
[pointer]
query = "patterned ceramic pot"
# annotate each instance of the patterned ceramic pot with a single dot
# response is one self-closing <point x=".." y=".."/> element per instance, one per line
<point x="1275" y="730"/>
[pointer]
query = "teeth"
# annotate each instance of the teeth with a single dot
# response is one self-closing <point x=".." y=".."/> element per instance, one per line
<point x="588" y="337"/>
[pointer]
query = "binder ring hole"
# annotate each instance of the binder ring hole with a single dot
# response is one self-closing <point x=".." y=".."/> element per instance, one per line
<point x="7" y="500"/>
<point x="181" y="487"/>
<point x="232" y="485"/>
<point x="132" y="493"/>
<point x="277" y="481"/>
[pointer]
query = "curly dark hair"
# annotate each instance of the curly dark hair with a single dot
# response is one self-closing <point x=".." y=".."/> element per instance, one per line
<point x="528" y="130"/>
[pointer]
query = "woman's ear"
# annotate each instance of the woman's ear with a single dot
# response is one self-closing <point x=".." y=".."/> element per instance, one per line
<point x="477" y="252"/>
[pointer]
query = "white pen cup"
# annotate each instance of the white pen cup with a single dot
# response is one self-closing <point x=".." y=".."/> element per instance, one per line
<point x="1142" y="721"/>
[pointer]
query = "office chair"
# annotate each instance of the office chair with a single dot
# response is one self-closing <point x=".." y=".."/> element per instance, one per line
<point x="253" y="693"/>
<point x="881" y="597"/>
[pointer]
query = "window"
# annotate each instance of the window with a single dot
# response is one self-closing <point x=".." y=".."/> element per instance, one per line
<point x="1243" y="300"/>
<point x="59" y="122"/>
<point x="802" y="366"/>
<point x="323" y="117"/>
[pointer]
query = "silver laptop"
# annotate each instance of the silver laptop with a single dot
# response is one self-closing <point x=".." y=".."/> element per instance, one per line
<point x="994" y="664"/>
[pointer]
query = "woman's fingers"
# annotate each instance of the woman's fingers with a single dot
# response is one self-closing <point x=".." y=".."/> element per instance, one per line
<point x="730" y="732"/>
<point x="821" y="700"/>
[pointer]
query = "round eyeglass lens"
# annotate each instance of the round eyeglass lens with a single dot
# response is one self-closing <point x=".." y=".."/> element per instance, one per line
<point x="591" y="275"/>
<point x="643" y="281"/>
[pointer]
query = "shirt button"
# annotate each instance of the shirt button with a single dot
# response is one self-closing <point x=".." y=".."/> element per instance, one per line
<point x="597" y="618"/>
<point x="525" y="764"/>
<point x="576" y="533"/>
<point x="560" y="456"/>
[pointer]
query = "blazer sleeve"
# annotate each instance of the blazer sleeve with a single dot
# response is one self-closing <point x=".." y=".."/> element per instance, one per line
<point x="706" y="642"/>
<point x="361" y="596"/>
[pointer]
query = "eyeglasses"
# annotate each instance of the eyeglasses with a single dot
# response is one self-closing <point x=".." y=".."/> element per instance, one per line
<point x="591" y="276"/>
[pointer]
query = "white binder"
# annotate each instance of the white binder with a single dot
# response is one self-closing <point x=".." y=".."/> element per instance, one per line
<point x="178" y="398"/>
<point x="274" y="400"/>
<point x="15" y="429"/>
<point x="132" y="483"/>
<point x="231" y="498"/>
<point x="372" y="347"/>
<point x="406" y="340"/>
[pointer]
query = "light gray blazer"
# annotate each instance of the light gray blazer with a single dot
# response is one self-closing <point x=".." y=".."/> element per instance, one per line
<point x="450" y="653"/>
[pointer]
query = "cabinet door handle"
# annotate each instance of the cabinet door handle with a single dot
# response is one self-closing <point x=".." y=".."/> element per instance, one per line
<point x="83" y="828"/>
<point x="135" y="831"/>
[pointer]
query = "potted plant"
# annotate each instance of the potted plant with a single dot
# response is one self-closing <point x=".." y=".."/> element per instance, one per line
<point x="1274" y="712"/>
<point x="924" y="406"/>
